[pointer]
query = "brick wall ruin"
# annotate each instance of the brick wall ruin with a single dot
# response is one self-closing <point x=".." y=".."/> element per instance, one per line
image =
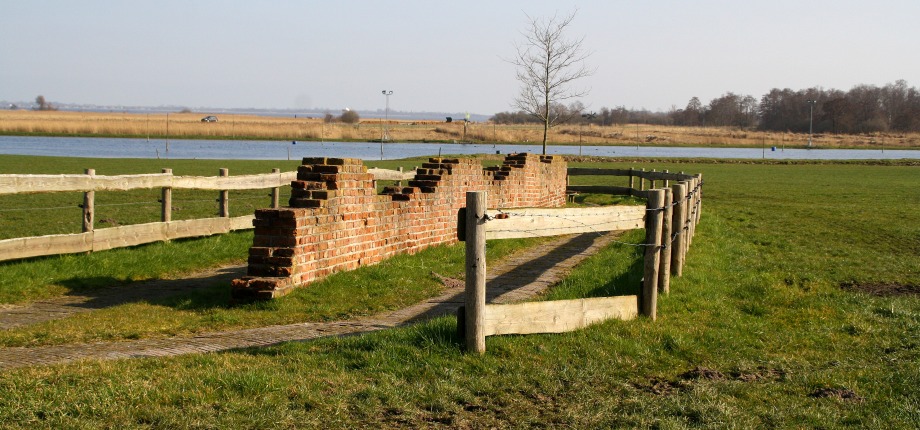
<point x="336" y="220"/>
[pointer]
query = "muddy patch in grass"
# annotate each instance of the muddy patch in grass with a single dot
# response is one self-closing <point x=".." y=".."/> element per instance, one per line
<point x="836" y="393"/>
<point x="664" y="387"/>
<point x="882" y="289"/>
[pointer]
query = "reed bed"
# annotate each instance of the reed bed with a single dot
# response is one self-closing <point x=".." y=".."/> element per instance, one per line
<point x="189" y="125"/>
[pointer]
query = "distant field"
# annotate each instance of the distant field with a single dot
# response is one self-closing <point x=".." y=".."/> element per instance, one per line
<point x="189" y="125"/>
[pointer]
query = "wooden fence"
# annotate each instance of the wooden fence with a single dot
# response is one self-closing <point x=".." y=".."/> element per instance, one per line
<point x="130" y="235"/>
<point x="669" y="218"/>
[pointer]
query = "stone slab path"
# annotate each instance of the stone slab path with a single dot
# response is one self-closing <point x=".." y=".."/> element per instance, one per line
<point x="518" y="277"/>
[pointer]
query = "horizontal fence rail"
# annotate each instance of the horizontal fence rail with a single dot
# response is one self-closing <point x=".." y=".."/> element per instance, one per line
<point x="553" y="222"/>
<point x="131" y="235"/>
<point x="119" y="237"/>
<point x="16" y="184"/>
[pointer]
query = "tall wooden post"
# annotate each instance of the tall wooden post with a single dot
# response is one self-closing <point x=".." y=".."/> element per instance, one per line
<point x="699" y="197"/>
<point x="678" y="223"/>
<point x="224" y="200"/>
<point x="276" y="193"/>
<point x="89" y="203"/>
<point x="631" y="177"/>
<point x="166" y="201"/>
<point x="664" y="270"/>
<point x="642" y="181"/>
<point x="475" y="271"/>
<point x="691" y="212"/>
<point x="653" y="218"/>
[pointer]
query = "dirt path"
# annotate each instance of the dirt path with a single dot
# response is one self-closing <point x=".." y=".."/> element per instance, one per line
<point x="518" y="277"/>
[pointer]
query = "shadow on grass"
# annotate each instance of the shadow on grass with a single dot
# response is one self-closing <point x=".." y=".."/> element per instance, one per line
<point x="628" y="283"/>
<point x="522" y="275"/>
<point x="196" y="293"/>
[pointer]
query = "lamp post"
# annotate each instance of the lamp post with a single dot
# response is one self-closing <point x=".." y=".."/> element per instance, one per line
<point x="589" y="117"/>
<point x="386" y="134"/>
<point x="811" y="112"/>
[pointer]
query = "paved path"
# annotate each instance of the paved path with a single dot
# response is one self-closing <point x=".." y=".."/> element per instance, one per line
<point x="518" y="277"/>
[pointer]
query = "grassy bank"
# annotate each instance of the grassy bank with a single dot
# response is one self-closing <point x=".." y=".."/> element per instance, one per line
<point x="246" y="127"/>
<point x="798" y="308"/>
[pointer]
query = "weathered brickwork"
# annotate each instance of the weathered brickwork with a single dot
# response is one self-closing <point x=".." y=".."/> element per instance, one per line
<point x="336" y="220"/>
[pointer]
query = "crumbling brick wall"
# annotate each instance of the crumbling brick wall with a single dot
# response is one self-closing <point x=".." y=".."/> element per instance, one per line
<point x="336" y="220"/>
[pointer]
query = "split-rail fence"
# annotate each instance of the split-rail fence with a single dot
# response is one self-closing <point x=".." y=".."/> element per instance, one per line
<point x="669" y="218"/>
<point x="93" y="239"/>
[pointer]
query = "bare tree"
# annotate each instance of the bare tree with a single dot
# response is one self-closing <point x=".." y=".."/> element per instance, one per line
<point x="42" y="103"/>
<point x="547" y="64"/>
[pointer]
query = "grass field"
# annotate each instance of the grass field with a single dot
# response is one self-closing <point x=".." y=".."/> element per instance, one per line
<point x="189" y="125"/>
<point x="798" y="308"/>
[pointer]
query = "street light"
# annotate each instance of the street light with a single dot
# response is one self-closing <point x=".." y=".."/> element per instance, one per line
<point x="811" y="112"/>
<point x="386" y="134"/>
<point x="589" y="117"/>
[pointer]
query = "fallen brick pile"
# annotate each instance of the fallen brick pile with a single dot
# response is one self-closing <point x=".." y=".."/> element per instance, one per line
<point x="336" y="220"/>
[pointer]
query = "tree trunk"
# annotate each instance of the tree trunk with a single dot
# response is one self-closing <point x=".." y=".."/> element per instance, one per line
<point x="545" y="131"/>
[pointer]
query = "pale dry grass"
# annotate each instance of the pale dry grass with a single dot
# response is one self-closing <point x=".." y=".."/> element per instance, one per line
<point x="287" y="128"/>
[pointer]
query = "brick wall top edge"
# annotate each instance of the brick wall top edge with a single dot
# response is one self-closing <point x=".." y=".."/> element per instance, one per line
<point x="331" y="161"/>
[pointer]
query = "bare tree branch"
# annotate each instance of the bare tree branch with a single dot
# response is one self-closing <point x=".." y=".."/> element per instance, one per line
<point x="547" y="65"/>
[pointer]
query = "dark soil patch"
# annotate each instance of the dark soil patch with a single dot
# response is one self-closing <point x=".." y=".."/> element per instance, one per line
<point x="448" y="281"/>
<point x="882" y="289"/>
<point x="661" y="387"/>
<point x="664" y="387"/>
<point x="702" y="373"/>
<point x="836" y="393"/>
<point x="760" y="374"/>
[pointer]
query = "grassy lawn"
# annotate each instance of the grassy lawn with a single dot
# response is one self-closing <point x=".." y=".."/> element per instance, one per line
<point x="395" y="283"/>
<point x="769" y="327"/>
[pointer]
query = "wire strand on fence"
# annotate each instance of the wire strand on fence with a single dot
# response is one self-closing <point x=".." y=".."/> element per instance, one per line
<point x="665" y="245"/>
<point x="40" y="209"/>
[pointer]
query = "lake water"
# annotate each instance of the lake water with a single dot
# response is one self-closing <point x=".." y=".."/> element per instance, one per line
<point x="285" y="150"/>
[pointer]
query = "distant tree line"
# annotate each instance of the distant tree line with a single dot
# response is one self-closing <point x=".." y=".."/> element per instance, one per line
<point x="894" y="107"/>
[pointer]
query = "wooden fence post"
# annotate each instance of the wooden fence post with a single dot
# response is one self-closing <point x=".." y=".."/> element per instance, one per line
<point x="642" y="181"/>
<point x="224" y="200"/>
<point x="276" y="193"/>
<point x="677" y="226"/>
<point x="651" y="181"/>
<point x="475" y="271"/>
<point x="166" y="200"/>
<point x="664" y="271"/>
<point x="691" y="211"/>
<point x="667" y="183"/>
<point x="631" y="177"/>
<point x="653" y="217"/>
<point x="89" y="203"/>
<point x="699" y="197"/>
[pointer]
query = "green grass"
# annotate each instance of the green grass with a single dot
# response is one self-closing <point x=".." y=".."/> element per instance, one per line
<point x="759" y="309"/>
<point x="396" y="283"/>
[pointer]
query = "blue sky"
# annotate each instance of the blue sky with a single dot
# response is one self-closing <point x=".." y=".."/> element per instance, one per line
<point x="439" y="56"/>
